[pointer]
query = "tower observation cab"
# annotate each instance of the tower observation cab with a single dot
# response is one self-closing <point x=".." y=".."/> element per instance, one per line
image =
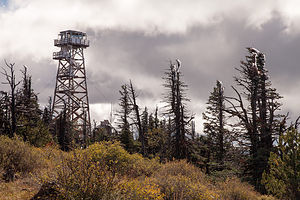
<point x="75" y="39"/>
<point x="71" y="95"/>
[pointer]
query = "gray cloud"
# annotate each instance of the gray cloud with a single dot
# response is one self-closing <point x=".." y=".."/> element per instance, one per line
<point x="137" y="43"/>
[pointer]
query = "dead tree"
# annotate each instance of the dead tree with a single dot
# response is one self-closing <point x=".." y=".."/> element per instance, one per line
<point x="11" y="81"/>
<point x="137" y="117"/>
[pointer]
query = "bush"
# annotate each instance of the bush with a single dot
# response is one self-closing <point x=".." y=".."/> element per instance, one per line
<point x="118" y="160"/>
<point x="17" y="156"/>
<point x="136" y="190"/>
<point x="234" y="189"/>
<point x="103" y="171"/>
<point x="79" y="177"/>
<point x="180" y="180"/>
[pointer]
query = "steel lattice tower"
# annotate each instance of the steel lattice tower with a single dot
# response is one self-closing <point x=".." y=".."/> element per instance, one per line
<point x="71" y="88"/>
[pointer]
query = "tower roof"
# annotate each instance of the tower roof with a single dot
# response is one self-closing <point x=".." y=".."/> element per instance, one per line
<point x="73" y="32"/>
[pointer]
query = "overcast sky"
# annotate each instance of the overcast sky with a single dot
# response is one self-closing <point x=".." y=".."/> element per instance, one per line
<point x="136" y="39"/>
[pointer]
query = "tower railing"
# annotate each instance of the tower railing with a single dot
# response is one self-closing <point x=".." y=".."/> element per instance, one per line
<point x="61" y="55"/>
<point x="72" y="41"/>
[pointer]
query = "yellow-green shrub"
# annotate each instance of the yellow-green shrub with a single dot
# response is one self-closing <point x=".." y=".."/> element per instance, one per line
<point x="136" y="190"/>
<point x="180" y="180"/>
<point x="99" y="171"/>
<point x="118" y="160"/>
<point x="79" y="177"/>
<point x="17" y="156"/>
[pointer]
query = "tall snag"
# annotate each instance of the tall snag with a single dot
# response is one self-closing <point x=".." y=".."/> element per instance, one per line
<point x="176" y="108"/>
<point x="11" y="81"/>
<point x="255" y="106"/>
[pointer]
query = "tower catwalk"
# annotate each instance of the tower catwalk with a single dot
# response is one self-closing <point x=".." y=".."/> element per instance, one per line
<point x="71" y="92"/>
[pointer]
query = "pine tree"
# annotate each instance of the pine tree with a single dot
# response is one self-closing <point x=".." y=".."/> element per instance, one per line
<point x="176" y="107"/>
<point x="255" y="106"/>
<point x="28" y="112"/>
<point x="4" y="114"/>
<point x="126" y="136"/>
<point x="47" y="113"/>
<point x="282" y="179"/>
<point x="145" y="121"/>
<point x="64" y="131"/>
<point x="215" y="127"/>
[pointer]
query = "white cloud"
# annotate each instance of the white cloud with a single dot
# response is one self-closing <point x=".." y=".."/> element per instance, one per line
<point x="28" y="27"/>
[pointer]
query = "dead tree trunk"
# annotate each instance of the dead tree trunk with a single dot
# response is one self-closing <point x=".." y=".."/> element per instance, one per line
<point x="11" y="81"/>
<point x="137" y="118"/>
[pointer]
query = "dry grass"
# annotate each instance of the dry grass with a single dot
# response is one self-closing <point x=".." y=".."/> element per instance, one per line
<point x="23" y="188"/>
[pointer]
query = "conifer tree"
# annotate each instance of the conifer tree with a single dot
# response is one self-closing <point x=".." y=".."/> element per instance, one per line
<point x="215" y="127"/>
<point x="4" y="114"/>
<point x="256" y="107"/>
<point x="126" y="136"/>
<point x="27" y="108"/>
<point x="176" y="108"/>
<point x="282" y="179"/>
<point x="64" y="132"/>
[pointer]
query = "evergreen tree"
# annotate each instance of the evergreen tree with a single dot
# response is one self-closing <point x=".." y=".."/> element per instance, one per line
<point x="47" y="113"/>
<point x="145" y="121"/>
<point x="28" y="112"/>
<point x="176" y="107"/>
<point x="282" y="179"/>
<point x="126" y="136"/>
<point x="64" y="131"/>
<point x="4" y="114"/>
<point x="214" y="127"/>
<point x="255" y="106"/>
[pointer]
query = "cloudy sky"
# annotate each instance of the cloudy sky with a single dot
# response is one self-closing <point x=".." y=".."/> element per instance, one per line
<point x="136" y="39"/>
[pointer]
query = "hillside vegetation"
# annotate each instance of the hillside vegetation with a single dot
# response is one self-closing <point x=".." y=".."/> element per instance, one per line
<point x="106" y="171"/>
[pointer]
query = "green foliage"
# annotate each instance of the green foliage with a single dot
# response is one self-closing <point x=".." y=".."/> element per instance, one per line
<point x="103" y="134"/>
<point x="283" y="177"/>
<point x="157" y="142"/>
<point x="17" y="156"/>
<point x="127" y="140"/>
<point x="37" y="134"/>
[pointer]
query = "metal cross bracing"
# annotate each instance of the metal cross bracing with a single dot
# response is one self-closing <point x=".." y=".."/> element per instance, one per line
<point x="71" y="92"/>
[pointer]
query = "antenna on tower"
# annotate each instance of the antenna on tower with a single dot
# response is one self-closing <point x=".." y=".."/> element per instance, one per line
<point x="71" y="87"/>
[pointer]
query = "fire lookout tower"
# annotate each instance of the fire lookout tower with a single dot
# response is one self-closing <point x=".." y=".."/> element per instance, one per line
<point x="71" y="93"/>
